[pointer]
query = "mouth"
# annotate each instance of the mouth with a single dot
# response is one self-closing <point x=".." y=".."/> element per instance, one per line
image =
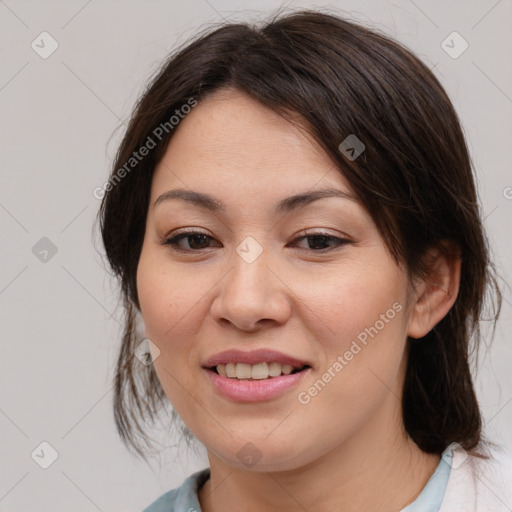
<point x="261" y="371"/>
<point x="261" y="382"/>
<point x="255" y="376"/>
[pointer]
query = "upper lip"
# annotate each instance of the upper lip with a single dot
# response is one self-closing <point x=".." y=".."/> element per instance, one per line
<point x="253" y="357"/>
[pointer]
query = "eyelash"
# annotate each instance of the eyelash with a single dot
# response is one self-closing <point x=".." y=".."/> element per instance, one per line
<point x="173" y="242"/>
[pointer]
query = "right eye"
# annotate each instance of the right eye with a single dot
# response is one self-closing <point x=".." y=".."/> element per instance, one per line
<point x="196" y="241"/>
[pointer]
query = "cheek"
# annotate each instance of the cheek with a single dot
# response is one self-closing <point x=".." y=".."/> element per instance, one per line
<point x="173" y="307"/>
<point x="167" y="296"/>
<point x="362" y="324"/>
<point x="164" y="312"/>
<point x="364" y="301"/>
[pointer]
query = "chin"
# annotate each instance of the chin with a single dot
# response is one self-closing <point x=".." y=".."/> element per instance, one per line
<point x="263" y="455"/>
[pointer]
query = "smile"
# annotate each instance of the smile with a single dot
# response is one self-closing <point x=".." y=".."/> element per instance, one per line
<point x="260" y="371"/>
<point x="255" y="389"/>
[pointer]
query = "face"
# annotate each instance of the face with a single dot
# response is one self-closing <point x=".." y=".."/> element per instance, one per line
<point x="310" y="280"/>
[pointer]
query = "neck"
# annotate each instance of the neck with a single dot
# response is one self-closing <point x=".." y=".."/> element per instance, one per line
<point x="377" y="469"/>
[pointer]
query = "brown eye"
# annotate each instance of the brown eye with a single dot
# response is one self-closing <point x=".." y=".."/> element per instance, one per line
<point x="196" y="241"/>
<point x="319" y="242"/>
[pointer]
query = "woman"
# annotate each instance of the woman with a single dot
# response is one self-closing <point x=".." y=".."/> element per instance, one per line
<point x="292" y="214"/>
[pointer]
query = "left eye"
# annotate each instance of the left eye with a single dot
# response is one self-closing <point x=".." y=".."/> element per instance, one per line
<point x="331" y="241"/>
<point x="198" y="241"/>
<point x="195" y="237"/>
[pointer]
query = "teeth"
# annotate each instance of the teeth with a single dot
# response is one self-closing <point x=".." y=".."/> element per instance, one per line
<point x="287" y="369"/>
<point x="258" y="371"/>
<point x="274" y="369"/>
<point x="230" y="370"/>
<point x="243" y="371"/>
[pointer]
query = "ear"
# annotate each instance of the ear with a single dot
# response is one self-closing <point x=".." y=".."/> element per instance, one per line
<point x="435" y="293"/>
<point x="140" y="328"/>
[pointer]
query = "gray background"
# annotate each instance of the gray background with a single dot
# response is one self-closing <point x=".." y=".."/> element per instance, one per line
<point x="60" y="325"/>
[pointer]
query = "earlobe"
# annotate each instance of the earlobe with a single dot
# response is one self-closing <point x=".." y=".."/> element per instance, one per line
<point x="435" y="293"/>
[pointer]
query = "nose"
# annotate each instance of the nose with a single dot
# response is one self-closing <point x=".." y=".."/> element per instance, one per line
<point x="252" y="295"/>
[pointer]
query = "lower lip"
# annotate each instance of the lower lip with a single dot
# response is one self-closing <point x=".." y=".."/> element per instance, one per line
<point x="255" y="390"/>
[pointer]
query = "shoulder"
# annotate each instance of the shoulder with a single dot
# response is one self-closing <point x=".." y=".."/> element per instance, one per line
<point x="479" y="485"/>
<point x="182" y="499"/>
<point x="164" y="503"/>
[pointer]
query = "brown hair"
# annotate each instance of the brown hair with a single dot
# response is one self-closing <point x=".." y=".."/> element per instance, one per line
<point x="414" y="177"/>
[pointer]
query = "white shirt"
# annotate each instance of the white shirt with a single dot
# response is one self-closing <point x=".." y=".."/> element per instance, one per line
<point x="478" y="485"/>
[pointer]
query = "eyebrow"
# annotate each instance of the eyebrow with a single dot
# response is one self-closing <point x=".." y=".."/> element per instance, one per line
<point x="287" y="204"/>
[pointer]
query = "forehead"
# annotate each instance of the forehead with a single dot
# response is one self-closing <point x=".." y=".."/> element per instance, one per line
<point x="231" y="142"/>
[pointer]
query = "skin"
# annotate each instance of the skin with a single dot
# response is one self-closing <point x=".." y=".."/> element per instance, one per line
<point x="349" y="440"/>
